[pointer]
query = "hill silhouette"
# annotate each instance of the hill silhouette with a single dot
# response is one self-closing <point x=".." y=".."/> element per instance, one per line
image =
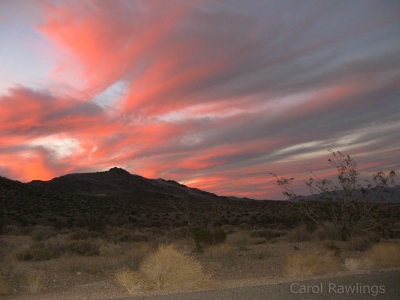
<point x="116" y="197"/>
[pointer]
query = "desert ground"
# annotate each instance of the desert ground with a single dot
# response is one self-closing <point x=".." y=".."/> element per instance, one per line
<point x="39" y="262"/>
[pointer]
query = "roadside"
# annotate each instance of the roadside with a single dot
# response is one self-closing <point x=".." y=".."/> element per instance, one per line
<point x="362" y="286"/>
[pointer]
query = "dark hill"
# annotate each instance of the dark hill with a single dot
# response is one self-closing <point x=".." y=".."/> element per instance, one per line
<point x="120" y="183"/>
<point x="116" y="197"/>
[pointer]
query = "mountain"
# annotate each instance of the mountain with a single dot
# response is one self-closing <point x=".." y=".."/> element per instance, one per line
<point x="119" y="183"/>
<point x="116" y="197"/>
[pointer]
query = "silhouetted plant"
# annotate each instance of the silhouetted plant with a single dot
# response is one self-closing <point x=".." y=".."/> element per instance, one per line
<point x="344" y="202"/>
<point x="205" y="237"/>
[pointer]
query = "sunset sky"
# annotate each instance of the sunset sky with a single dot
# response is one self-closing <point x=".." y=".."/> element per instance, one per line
<point x="213" y="94"/>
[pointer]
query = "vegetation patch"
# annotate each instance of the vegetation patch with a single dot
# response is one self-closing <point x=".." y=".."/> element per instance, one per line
<point x="83" y="248"/>
<point x="312" y="262"/>
<point x="205" y="237"/>
<point x="5" y="288"/>
<point x="35" y="282"/>
<point x="239" y="240"/>
<point x="384" y="255"/>
<point x="166" y="269"/>
<point x="42" y="233"/>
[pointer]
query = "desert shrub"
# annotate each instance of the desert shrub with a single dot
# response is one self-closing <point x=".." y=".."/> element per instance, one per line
<point x="4" y="286"/>
<point x="239" y="239"/>
<point x="306" y="263"/>
<point x="172" y="269"/>
<point x="202" y="237"/>
<point x="328" y="231"/>
<point x="343" y="201"/>
<point x="359" y="243"/>
<point x="127" y="236"/>
<point x="92" y="264"/>
<point x="358" y="264"/>
<point x="219" y="236"/>
<point x="333" y="247"/>
<point x="267" y="234"/>
<point x="133" y="282"/>
<point x="178" y="234"/>
<point x="385" y="255"/>
<point x="54" y="248"/>
<point x="205" y="237"/>
<point x="12" y="230"/>
<point x="41" y="233"/>
<point x="40" y="251"/>
<point x="83" y="248"/>
<point x="219" y="251"/>
<point x="110" y="249"/>
<point x="84" y="235"/>
<point x="300" y="234"/>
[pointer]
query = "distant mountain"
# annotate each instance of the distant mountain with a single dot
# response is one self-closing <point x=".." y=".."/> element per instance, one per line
<point x="391" y="195"/>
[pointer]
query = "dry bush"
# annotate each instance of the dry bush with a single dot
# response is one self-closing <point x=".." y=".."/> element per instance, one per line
<point x="133" y="282"/>
<point x="328" y="231"/>
<point x="110" y="249"/>
<point x="300" y="235"/>
<point x="358" y="264"/>
<point x="359" y="243"/>
<point x="384" y="255"/>
<point x="82" y="248"/>
<point x="219" y="251"/>
<point x="41" y="233"/>
<point x="4" y="286"/>
<point x="83" y="234"/>
<point x="311" y="262"/>
<point x="171" y="269"/>
<point x="90" y="265"/>
<point x="35" y="282"/>
<point x="39" y="251"/>
<point x="113" y="259"/>
<point x="239" y="239"/>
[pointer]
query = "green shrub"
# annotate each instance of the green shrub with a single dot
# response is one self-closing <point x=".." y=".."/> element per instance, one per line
<point x="206" y="237"/>
<point x="219" y="236"/>
<point x="202" y="237"/>
<point x="41" y="251"/>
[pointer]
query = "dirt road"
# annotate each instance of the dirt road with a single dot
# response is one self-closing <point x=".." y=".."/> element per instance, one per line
<point x="366" y="286"/>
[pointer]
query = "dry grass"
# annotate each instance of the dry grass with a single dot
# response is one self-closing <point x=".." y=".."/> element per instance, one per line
<point x="171" y="269"/>
<point x="358" y="264"/>
<point x="166" y="269"/>
<point x="4" y="286"/>
<point x="219" y="251"/>
<point x="300" y="234"/>
<point x="311" y="262"/>
<point x="240" y="240"/>
<point x="132" y="282"/>
<point x="385" y="255"/>
<point x="35" y="282"/>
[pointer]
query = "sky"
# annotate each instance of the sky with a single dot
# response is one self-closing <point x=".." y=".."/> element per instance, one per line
<point x="213" y="94"/>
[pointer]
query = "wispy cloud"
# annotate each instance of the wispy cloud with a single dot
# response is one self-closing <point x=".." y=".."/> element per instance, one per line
<point x="216" y="94"/>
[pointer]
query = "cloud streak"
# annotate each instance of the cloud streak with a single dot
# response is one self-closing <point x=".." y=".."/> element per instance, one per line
<point x="212" y="94"/>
